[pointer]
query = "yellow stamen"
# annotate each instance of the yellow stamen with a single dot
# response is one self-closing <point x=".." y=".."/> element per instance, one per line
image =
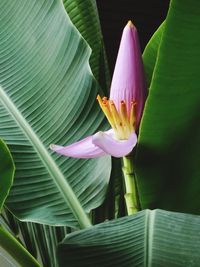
<point x="122" y="123"/>
<point x="133" y="115"/>
<point x="124" y="117"/>
<point x="106" y="109"/>
<point x="118" y="121"/>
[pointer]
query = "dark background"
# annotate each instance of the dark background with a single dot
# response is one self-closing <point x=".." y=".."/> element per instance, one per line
<point x="146" y="15"/>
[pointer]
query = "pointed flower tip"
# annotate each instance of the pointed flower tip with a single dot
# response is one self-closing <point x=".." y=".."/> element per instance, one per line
<point x="130" y="24"/>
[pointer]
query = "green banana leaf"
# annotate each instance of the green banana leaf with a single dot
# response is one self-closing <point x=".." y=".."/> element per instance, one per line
<point x="167" y="160"/>
<point x="12" y="253"/>
<point x="149" y="238"/>
<point x="6" y="260"/>
<point x="85" y="17"/>
<point x="7" y="170"/>
<point x="150" y="53"/>
<point x="48" y="95"/>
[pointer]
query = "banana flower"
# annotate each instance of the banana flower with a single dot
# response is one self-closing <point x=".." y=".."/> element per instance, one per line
<point x="123" y="109"/>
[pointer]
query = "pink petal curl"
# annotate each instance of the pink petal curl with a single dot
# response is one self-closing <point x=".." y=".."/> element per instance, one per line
<point x="81" y="149"/>
<point x="113" y="147"/>
<point x="98" y="145"/>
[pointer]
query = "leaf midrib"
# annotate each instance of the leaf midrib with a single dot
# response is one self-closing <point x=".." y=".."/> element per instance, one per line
<point x="63" y="186"/>
<point x="150" y="220"/>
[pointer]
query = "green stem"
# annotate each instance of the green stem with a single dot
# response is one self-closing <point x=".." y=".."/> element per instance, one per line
<point x="16" y="250"/>
<point x="130" y="196"/>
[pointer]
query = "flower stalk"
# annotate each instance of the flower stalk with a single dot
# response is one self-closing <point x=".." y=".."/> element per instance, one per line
<point x="131" y="194"/>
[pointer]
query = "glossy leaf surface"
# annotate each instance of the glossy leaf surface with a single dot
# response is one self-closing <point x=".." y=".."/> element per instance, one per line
<point x="149" y="238"/>
<point x="150" y="53"/>
<point x="84" y="15"/>
<point x="167" y="162"/>
<point x="48" y="95"/>
<point x="7" y="170"/>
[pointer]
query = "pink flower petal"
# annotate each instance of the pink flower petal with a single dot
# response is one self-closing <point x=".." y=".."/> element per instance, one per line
<point x="81" y="149"/>
<point x="113" y="147"/>
<point x="128" y="81"/>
